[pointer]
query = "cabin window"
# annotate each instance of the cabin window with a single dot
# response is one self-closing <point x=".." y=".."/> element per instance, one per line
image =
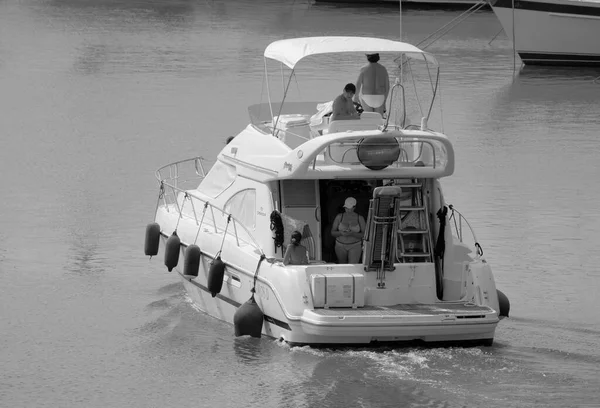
<point x="243" y="207"/>
<point x="218" y="179"/>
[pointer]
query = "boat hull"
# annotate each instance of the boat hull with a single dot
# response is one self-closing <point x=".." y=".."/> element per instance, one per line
<point x="555" y="32"/>
<point x="452" y="322"/>
<point x="290" y="297"/>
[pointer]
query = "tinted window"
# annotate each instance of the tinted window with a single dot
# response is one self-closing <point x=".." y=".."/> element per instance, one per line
<point x="243" y="207"/>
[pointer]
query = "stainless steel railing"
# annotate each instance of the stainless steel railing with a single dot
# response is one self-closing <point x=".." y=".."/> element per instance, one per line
<point x="456" y="221"/>
<point x="177" y="181"/>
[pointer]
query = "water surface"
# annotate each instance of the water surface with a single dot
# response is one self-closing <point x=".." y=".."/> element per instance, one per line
<point x="98" y="94"/>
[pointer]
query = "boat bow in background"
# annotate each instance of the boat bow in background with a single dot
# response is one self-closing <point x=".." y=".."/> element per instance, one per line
<point x="552" y="32"/>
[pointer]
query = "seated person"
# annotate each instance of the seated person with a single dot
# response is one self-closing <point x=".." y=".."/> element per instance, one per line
<point x="296" y="254"/>
<point x="343" y="106"/>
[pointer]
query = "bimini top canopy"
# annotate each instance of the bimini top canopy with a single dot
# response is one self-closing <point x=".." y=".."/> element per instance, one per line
<point x="291" y="51"/>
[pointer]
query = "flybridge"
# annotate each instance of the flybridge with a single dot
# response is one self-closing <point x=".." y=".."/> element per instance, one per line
<point x="356" y="154"/>
<point x="298" y="139"/>
<point x="373" y="154"/>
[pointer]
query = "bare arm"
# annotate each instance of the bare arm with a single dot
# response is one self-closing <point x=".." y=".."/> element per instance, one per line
<point x="337" y="109"/>
<point x="288" y="254"/>
<point x="363" y="226"/>
<point x="359" y="82"/>
<point x="343" y="109"/>
<point x="334" y="228"/>
<point x="387" y="83"/>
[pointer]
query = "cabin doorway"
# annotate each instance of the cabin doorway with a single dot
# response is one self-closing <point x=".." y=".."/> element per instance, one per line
<point x="333" y="193"/>
<point x="300" y="200"/>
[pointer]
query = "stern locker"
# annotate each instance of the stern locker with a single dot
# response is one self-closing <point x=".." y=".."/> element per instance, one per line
<point x="338" y="290"/>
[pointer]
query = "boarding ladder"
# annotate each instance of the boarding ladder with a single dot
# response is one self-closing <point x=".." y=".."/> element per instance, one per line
<point x="382" y="220"/>
<point x="414" y="238"/>
<point x="380" y="232"/>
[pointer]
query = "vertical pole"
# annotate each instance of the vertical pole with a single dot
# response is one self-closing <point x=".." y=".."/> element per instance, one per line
<point x="268" y="95"/>
<point x="400" y="13"/>
<point x="513" y="35"/>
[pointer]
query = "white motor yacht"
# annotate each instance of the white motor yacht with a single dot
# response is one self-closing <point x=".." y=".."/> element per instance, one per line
<point x="552" y="32"/>
<point x="224" y="230"/>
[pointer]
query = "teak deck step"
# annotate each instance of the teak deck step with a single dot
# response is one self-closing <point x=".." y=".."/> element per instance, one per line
<point x="416" y="254"/>
<point x="409" y="309"/>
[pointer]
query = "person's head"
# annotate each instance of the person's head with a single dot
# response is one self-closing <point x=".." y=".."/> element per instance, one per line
<point x="349" y="90"/>
<point x="296" y="238"/>
<point x="373" y="57"/>
<point x="350" y="204"/>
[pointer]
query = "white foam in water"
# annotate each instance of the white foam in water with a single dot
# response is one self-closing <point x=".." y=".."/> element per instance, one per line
<point x="189" y="300"/>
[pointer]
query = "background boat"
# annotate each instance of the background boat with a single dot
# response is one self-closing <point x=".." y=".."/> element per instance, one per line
<point x="433" y="4"/>
<point x="552" y="32"/>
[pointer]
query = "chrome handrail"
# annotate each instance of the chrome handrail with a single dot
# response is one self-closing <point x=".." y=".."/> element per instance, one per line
<point x="171" y="188"/>
<point x="174" y="168"/>
<point x="403" y="157"/>
<point x="458" y="228"/>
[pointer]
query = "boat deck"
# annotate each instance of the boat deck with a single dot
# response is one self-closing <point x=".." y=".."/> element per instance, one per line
<point x="460" y="310"/>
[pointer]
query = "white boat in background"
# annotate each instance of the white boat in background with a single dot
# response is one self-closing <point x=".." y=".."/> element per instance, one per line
<point x="552" y="32"/>
<point x="224" y="231"/>
<point x="410" y="3"/>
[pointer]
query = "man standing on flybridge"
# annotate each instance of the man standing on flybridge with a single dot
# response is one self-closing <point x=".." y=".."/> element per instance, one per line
<point x="372" y="85"/>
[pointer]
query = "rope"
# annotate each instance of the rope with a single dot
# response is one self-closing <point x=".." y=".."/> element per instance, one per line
<point x="201" y="221"/>
<point x="440" y="246"/>
<point x="479" y="249"/>
<point x="277" y="227"/>
<point x="440" y="250"/>
<point x="161" y="194"/>
<point x="492" y="40"/>
<point x="262" y="258"/>
<point x="224" y="236"/>
<point x="185" y="197"/>
<point x="437" y="80"/>
<point x="451" y="24"/>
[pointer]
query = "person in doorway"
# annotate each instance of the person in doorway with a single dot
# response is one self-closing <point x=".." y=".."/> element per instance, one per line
<point x="343" y="107"/>
<point x="348" y="229"/>
<point x="372" y="85"/>
<point x="296" y="254"/>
